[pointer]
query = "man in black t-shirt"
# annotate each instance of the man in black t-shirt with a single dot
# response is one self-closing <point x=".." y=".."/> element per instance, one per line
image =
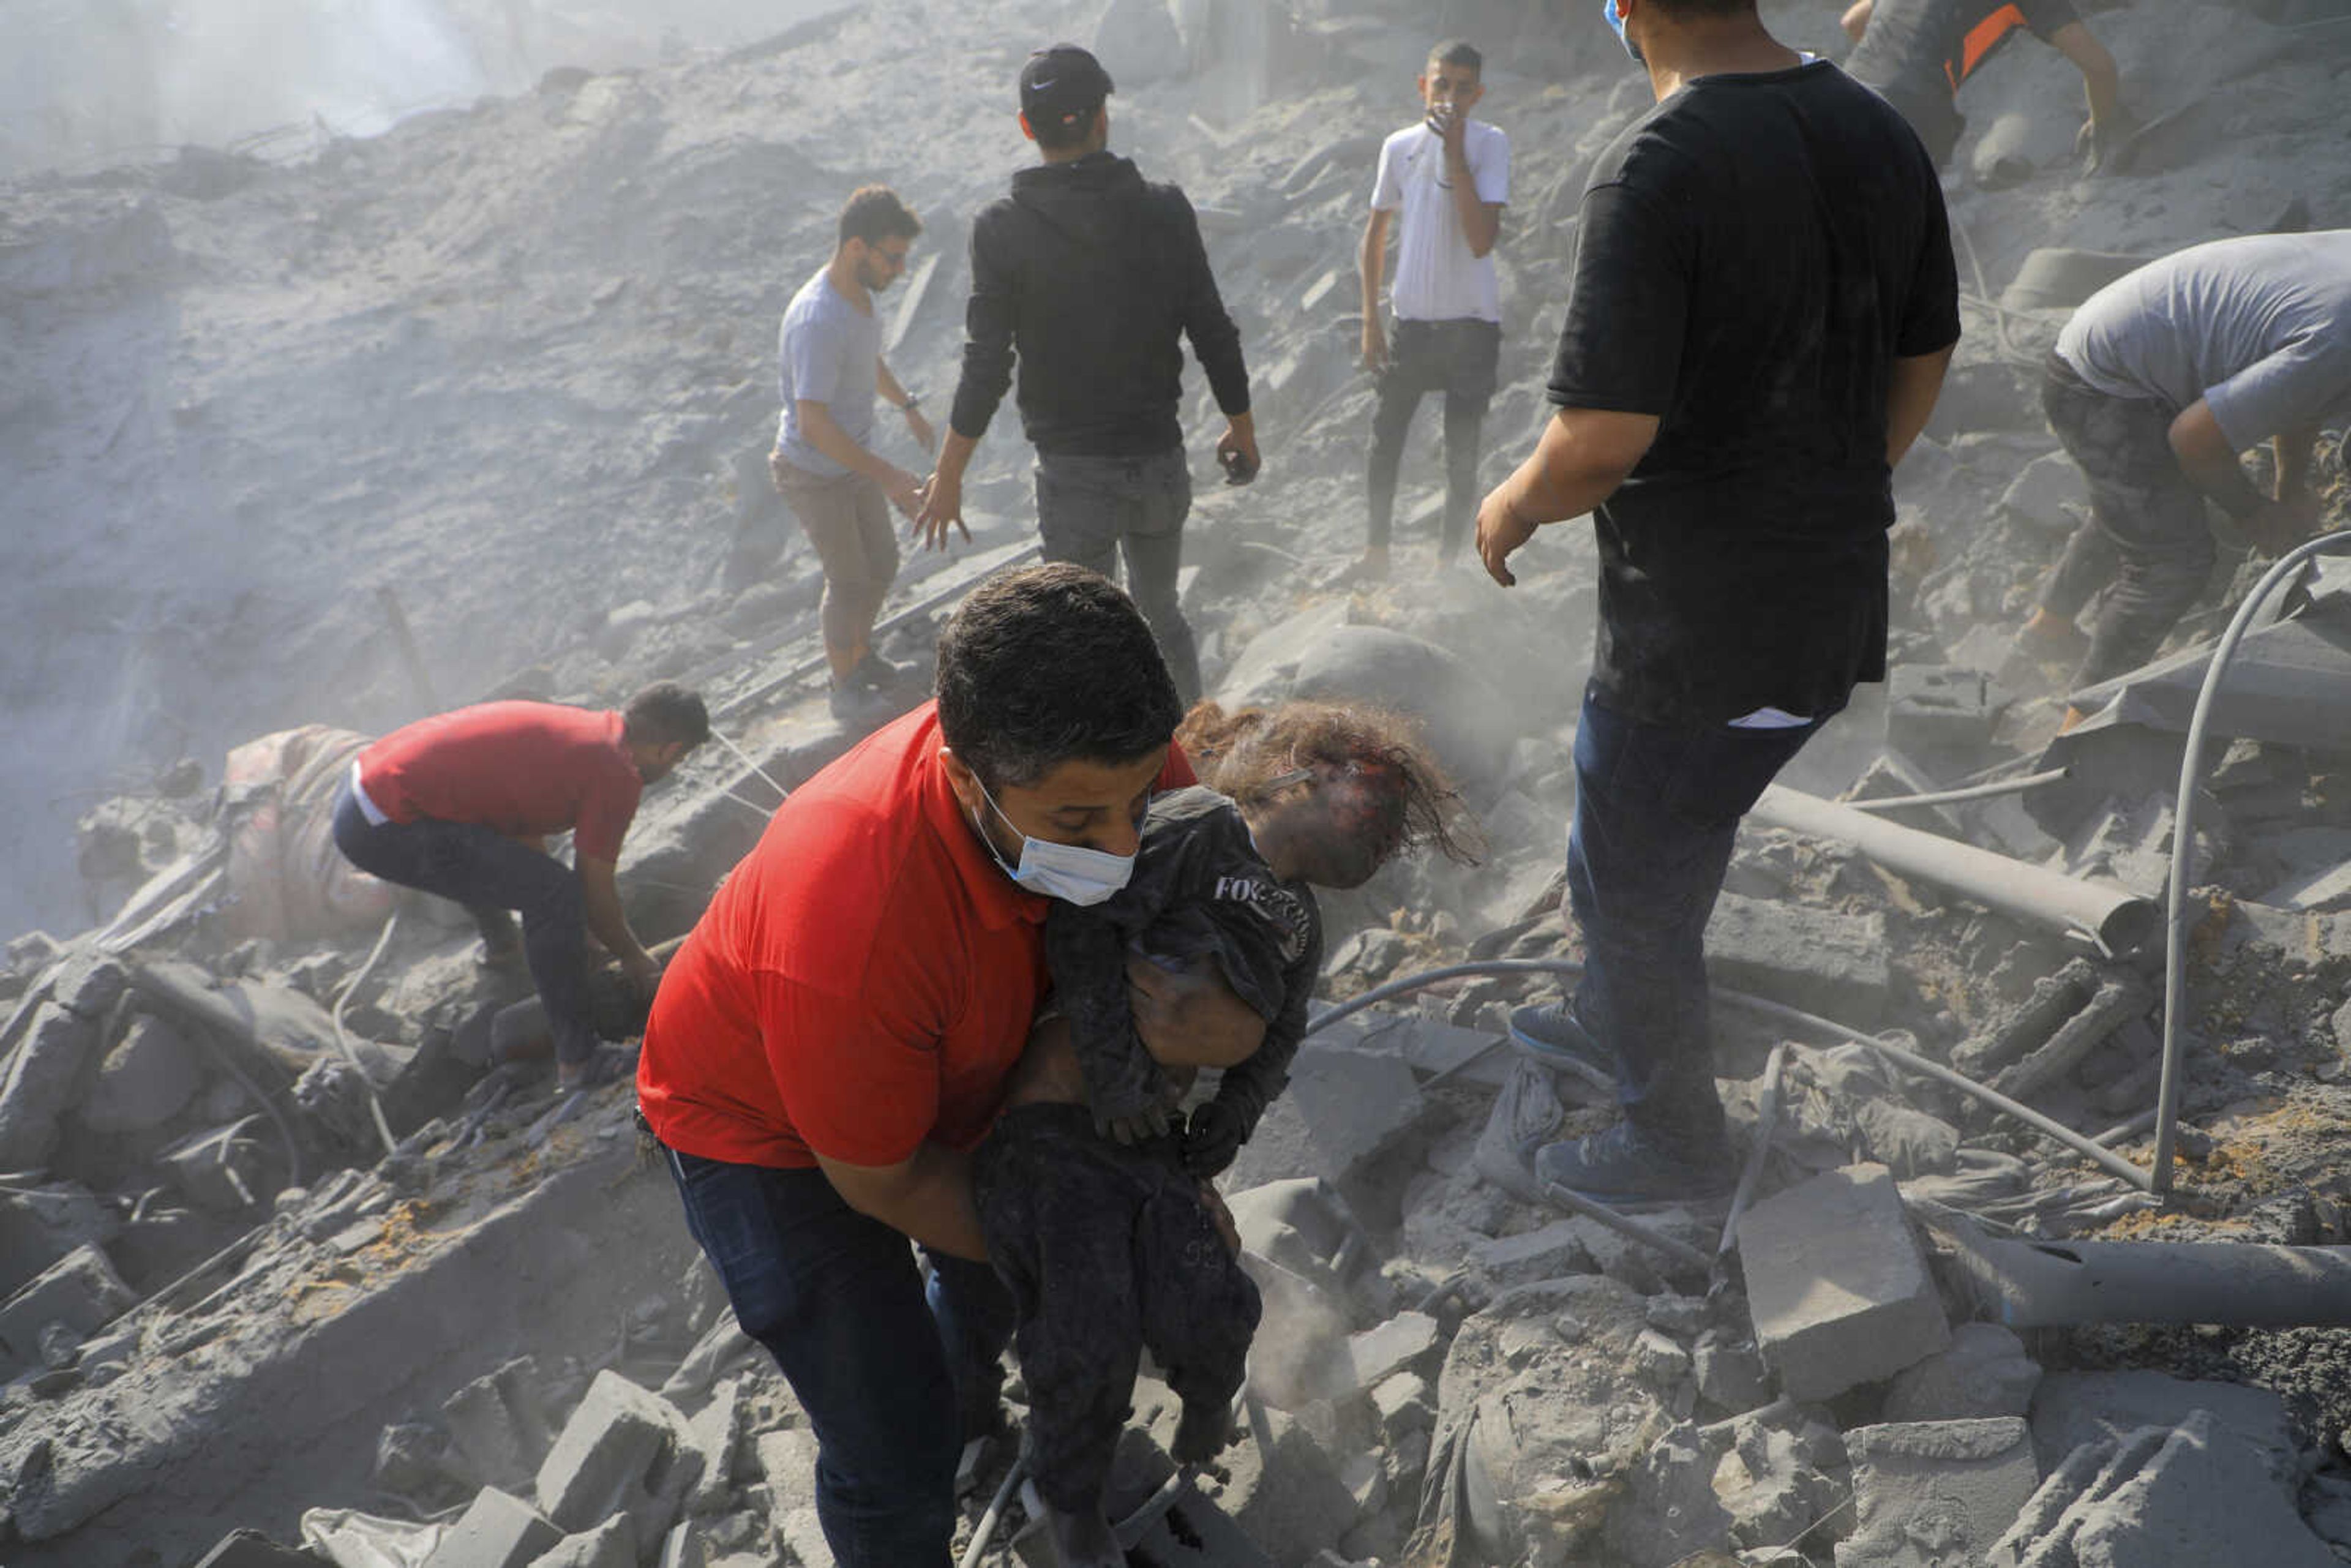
<point x="1762" y="308"/>
<point x="1918" y="53"/>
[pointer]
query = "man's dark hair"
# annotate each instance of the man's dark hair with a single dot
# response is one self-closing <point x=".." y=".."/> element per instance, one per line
<point x="1046" y="665"/>
<point x="1458" y="52"/>
<point x="665" y="712"/>
<point x="1688" y="9"/>
<point x="874" y="213"/>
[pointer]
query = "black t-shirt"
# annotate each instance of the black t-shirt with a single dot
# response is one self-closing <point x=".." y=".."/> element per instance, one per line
<point x="1751" y="258"/>
<point x="1917" y="52"/>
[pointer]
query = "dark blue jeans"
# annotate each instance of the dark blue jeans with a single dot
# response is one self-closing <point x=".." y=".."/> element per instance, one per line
<point x="891" y="1375"/>
<point x="1656" y="810"/>
<point x="487" y="871"/>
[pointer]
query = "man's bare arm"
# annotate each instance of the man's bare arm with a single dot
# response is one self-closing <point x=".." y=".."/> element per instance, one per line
<point x="2210" y="462"/>
<point x="823" y="432"/>
<point x="2102" y="82"/>
<point x="1856" y="20"/>
<point x="599" y="891"/>
<point x="1583" y="455"/>
<point x="1910" y="400"/>
<point x="1370" y="264"/>
<point x="927" y="1196"/>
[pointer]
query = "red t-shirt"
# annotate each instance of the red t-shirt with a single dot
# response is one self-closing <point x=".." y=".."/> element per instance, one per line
<point x="525" y="769"/>
<point x="863" y="982"/>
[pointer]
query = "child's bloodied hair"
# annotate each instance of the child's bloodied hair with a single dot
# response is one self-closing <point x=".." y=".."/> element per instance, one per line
<point x="1404" y="801"/>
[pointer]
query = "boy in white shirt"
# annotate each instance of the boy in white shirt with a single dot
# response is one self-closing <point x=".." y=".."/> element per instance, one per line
<point x="1450" y="177"/>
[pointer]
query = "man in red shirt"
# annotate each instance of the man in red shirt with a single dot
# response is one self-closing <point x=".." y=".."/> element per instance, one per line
<point x="461" y="804"/>
<point x="833" y="1038"/>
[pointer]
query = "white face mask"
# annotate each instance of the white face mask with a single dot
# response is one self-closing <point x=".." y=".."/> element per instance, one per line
<point x="1067" y="872"/>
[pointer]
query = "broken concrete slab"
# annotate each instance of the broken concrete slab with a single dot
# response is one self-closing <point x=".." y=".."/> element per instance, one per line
<point x="40" y="1225"/>
<point x="624" y="1451"/>
<point x="1837" y="1284"/>
<point x="145" y="1081"/>
<point x="38" y="1083"/>
<point x="2048" y="493"/>
<point x="1816" y="959"/>
<point x="1929" y="1493"/>
<point x="1303" y="1224"/>
<point x="497" y="1531"/>
<point x="1378" y="1353"/>
<point x="1729" y="1371"/>
<point x="787" y="1458"/>
<point x="2071" y="1408"/>
<point x="88" y="984"/>
<point x="1546" y="1253"/>
<point x="1404" y="1404"/>
<point x="2188" y="1496"/>
<point x="1344" y="1109"/>
<point x="714" y="1432"/>
<point x="1984" y="1371"/>
<point x="80" y="1291"/>
<point x="611" y="1544"/>
<point x="497" y="1434"/>
<point x="1288" y="1497"/>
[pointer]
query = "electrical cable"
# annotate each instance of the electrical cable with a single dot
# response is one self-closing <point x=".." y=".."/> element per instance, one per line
<point x="343" y="1040"/>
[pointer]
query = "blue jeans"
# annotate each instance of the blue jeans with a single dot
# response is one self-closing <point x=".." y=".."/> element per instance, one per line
<point x="1656" y="810"/>
<point x="488" y="872"/>
<point x="890" y="1373"/>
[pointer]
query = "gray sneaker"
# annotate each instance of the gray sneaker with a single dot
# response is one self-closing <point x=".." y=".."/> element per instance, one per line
<point x="1549" y="1034"/>
<point x="1625" y="1168"/>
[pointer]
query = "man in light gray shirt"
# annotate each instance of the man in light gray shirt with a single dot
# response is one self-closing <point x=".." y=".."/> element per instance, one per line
<point x="2157" y="385"/>
<point x="829" y="350"/>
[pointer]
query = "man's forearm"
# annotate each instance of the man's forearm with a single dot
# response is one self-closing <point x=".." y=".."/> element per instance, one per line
<point x="955" y="456"/>
<point x="887" y="385"/>
<point x="600" y="895"/>
<point x="1481" y="224"/>
<point x="930" y="1201"/>
<point x="2292" y="449"/>
<point x="2210" y="461"/>
<point x="1910" y="394"/>
<point x="1371" y="262"/>
<point x="1583" y="455"/>
<point x="823" y="432"/>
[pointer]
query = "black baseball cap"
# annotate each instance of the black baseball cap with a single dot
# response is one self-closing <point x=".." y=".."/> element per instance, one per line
<point x="1061" y="82"/>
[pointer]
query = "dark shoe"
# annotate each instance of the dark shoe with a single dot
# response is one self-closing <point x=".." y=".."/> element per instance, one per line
<point x="876" y="674"/>
<point x="1625" y="1168"/>
<point x="1550" y="1035"/>
<point x="860" y="708"/>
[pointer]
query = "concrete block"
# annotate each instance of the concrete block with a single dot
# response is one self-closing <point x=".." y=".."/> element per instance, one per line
<point x="80" y="1291"/>
<point x="2047" y="493"/>
<point x="145" y="1081"/>
<point x="2318" y="874"/>
<point x="496" y="1435"/>
<point x="1931" y="707"/>
<point x="40" y="1225"/>
<point x="714" y="1433"/>
<point x="1929" y="1493"/>
<point x="1349" y="1105"/>
<point x="251" y="1549"/>
<point x="803" y="1537"/>
<point x="1729" y="1371"/>
<point x="1378" y="1353"/>
<point x="2071" y="1408"/>
<point x="611" y="1544"/>
<point x="625" y="1451"/>
<point x="2183" y="1496"/>
<point x="38" y="1083"/>
<point x="1836" y="1284"/>
<point x="1984" y="1371"/>
<point x="787" y="1460"/>
<point x="88" y="985"/>
<point x="1405" y="1403"/>
<point x="1555" y="1249"/>
<point x="498" y="1530"/>
<point x="1816" y="959"/>
<point x="1286" y="1495"/>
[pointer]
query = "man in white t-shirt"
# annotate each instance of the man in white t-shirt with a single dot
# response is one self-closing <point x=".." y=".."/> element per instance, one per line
<point x="1449" y="176"/>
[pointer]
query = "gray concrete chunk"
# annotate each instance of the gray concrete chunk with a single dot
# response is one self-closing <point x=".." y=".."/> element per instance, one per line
<point x="500" y="1531"/>
<point x="1836" y="1283"/>
<point x="1376" y="1353"/>
<point x="80" y="1291"/>
<point x="1813" y="958"/>
<point x="624" y="1451"/>
<point x="611" y="1544"/>
<point x="1929" y="1493"/>
<point x="38" y="1083"/>
<point x="1984" y="1373"/>
<point x="2076" y="1407"/>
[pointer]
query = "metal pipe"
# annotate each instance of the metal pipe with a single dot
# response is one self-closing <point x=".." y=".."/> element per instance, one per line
<point x="2122" y="921"/>
<point x="1681" y="1253"/>
<point x="2052" y="1284"/>
<point x="2088" y="1149"/>
<point x="2183" y="849"/>
<point x="985" y="1530"/>
<point x="1953" y="797"/>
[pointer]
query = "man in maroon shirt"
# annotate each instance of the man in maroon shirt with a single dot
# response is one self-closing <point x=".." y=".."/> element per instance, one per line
<point x="461" y="805"/>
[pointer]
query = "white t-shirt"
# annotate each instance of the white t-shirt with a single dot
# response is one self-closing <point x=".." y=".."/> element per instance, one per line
<point x="1437" y="279"/>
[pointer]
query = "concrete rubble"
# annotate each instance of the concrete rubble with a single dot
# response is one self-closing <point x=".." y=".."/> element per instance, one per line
<point x="236" y="1331"/>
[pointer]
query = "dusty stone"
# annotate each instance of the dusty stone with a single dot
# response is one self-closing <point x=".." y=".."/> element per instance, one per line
<point x="40" y="1225"/>
<point x="80" y="1291"/>
<point x="1729" y="1371"/>
<point x="1984" y="1371"/>
<point x="496" y="1433"/>
<point x="1345" y="1108"/>
<point x="145" y="1081"/>
<point x="1670" y="1509"/>
<point x="1303" y="1224"/>
<point x="611" y="1544"/>
<point x="1768" y="1483"/>
<point x="625" y="1449"/>
<point x="498" y="1530"/>
<point x="1837" y="1286"/>
<point x="803" y="1537"/>
<point x="713" y="1432"/>
<point x="1657" y="1360"/>
<point x="88" y="985"/>
<point x="2189" y="1496"/>
<point x="2047" y="493"/>
<point x="1555" y="1249"/>
<point x="2076" y="1407"/>
<point x="682" y="1548"/>
<point x="1933" y="1492"/>
<point x="1377" y="1352"/>
<point x="37" y="1084"/>
<point x="1816" y="959"/>
<point x="1680" y="1316"/>
<point x="788" y="1459"/>
<point x="1290" y="1498"/>
<point x="1405" y="1403"/>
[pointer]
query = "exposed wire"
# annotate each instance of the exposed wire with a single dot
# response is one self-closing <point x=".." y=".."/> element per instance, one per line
<point x="343" y="1040"/>
<point x="1953" y="797"/>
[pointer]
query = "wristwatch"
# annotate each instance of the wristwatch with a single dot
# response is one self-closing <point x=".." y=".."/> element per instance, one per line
<point x="912" y="405"/>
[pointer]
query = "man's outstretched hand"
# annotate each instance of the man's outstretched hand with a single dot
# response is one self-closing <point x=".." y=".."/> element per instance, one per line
<point x="942" y="509"/>
<point x="1501" y="532"/>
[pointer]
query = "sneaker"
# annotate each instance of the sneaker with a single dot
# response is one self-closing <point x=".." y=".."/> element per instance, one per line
<point x="1625" y="1168"/>
<point x="1549" y="1034"/>
<point x="876" y="674"/>
<point x="860" y="707"/>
